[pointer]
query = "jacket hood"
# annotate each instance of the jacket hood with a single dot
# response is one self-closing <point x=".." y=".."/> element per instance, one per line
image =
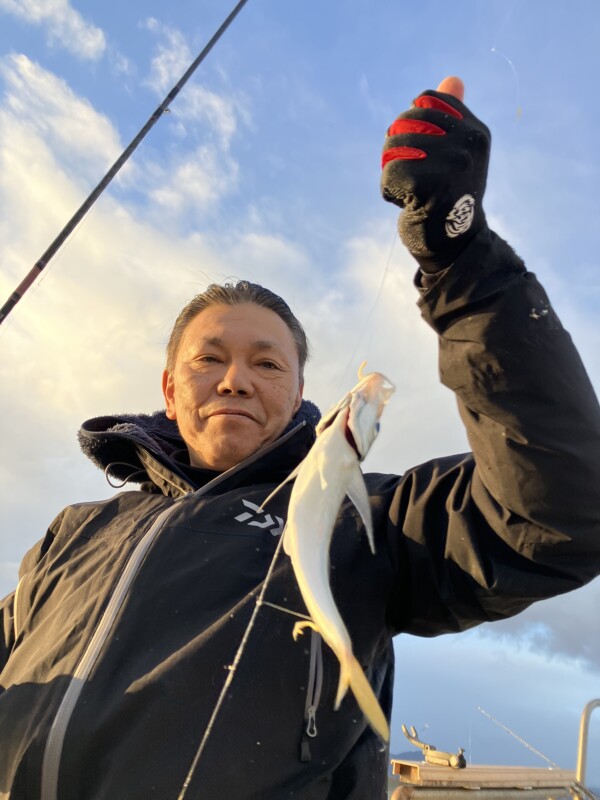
<point x="112" y="442"/>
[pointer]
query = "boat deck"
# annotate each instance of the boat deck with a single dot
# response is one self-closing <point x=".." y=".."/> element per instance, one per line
<point x="423" y="781"/>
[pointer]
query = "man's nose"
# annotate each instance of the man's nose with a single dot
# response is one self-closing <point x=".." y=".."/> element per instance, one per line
<point x="236" y="379"/>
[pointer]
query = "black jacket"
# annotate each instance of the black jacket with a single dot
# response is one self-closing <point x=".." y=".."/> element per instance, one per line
<point x="129" y="613"/>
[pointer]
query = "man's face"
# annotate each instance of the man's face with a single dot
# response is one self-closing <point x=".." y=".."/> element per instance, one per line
<point x="235" y="385"/>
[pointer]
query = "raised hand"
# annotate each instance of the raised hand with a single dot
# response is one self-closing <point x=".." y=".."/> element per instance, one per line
<point x="435" y="162"/>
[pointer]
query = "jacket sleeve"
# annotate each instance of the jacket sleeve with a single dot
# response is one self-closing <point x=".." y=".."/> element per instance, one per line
<point x="485" y="534"/>
<point x="10" y="605"/>
<point x="7" y="631"/>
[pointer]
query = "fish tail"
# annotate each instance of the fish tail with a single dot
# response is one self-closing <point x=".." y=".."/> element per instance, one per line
<point x="352" y="676"/>
<point x="342" y="685"/>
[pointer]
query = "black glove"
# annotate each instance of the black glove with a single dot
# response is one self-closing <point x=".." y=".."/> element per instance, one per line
<point x="435" y="161"/>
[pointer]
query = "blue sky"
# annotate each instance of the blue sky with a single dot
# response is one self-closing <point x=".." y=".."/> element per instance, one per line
<point x="267" y="167"/>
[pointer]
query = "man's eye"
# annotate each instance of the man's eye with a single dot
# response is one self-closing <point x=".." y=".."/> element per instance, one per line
<point x="207" y="359"/>
<point x="269" y="364"/>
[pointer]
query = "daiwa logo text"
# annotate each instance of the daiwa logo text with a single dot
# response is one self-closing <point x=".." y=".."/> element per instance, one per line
<point x="258" y="518"/>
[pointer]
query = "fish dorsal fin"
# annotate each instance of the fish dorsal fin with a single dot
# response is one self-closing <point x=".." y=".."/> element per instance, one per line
<point x="357" y="492"/>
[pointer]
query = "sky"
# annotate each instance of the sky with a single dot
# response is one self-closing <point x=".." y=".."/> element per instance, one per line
<point x="267" y="167"/>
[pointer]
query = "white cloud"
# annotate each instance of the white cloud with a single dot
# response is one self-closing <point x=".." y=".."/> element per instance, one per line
<point x="64" y="25"/>
<point x="196" y="182"/>
<point x="562" y="625"/>
<point x="217" y="111"/>
<point x="40" y="111"/>
<point x="172" y="59"/>
<point x="120" y="64"/>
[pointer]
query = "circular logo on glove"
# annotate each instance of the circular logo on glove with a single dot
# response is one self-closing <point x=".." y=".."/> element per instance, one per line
<point x="460" y="219"/>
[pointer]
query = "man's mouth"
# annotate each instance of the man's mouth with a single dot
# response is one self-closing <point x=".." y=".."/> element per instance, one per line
<point x="231" y="412"/>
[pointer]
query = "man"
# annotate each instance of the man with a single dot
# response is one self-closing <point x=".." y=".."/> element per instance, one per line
<point x="129" y="613"/>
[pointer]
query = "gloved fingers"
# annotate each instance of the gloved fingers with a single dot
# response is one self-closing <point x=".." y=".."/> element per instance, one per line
<point x="410" y="158"/>
<point x="405" y="138"/>
<point x="431" y="114"/>
<point x="412" y="125"/>
<point x="401" y="153"/>
<point x="446" y="103"/>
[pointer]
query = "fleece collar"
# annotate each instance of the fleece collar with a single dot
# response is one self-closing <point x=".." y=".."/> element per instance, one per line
<point x="112" y="442"/>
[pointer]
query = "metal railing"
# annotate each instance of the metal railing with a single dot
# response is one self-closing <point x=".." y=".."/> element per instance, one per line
<point x="583" y="740"/>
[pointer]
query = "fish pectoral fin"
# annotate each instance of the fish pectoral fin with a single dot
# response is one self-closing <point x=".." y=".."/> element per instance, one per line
<point x="299" y="628"/>
<point x="357" y="492"/>
<point x="352" y="676"/>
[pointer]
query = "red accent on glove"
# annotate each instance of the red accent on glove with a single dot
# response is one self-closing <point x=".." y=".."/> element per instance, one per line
<point x="428" y="101"/>
<point x="415" y="126"/>
<point x="404" y="153"/>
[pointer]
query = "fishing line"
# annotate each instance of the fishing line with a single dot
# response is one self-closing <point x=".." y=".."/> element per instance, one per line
<point x="232" y="671"/>
<point x="285" y="610"/>
<point x="500" y="30"/>
<point x="162" y="109"/>
<point x="494" y="49"/>
<point x="352" y="358"/>
<point x="517" y="81"/>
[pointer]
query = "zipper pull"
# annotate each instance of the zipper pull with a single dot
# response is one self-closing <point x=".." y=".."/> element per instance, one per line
<point x="309" y="733"/>
<point x="311" y="722"/>
<point x="304" y="749"/>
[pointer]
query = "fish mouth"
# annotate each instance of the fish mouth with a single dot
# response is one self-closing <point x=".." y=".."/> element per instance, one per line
<point x="349" y="435"/>
<point x="352" y="442"/>
<point x="347" y="432"/>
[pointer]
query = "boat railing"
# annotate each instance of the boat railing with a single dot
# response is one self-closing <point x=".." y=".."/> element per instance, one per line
<point x="583" y="740"/>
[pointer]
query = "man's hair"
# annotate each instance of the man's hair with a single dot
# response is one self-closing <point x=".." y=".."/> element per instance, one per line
<point x="230" y="294"/>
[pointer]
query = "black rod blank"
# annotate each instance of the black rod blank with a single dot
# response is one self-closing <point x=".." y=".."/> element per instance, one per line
<point x="43" y="261"/>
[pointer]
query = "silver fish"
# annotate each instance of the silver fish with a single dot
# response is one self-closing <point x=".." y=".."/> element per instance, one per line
<point x="328" y="473"/>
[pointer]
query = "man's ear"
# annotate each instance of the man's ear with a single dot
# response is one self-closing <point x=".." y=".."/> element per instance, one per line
<point x="168" y="388"/>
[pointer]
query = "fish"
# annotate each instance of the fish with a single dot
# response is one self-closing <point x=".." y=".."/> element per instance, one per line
<point x="329" y="472"/>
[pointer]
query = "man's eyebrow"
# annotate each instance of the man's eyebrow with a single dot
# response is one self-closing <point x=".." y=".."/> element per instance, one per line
<point x="265" y="344"/>
<point x="213" y="341"/>
<point x="257" y="344"/>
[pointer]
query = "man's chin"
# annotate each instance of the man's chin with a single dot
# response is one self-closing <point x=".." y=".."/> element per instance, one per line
<point x="225" y="457"/>
<point x="223" y="447"/>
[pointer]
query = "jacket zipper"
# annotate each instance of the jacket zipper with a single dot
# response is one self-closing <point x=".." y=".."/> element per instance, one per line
<point x="313" y="694"/>
<point x="56" y="737"/>
<point x="54" y="744"/>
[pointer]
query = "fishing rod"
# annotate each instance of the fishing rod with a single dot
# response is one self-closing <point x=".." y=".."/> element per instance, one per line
<point x="44" y="260"/>
<point x="485" y="713"/>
